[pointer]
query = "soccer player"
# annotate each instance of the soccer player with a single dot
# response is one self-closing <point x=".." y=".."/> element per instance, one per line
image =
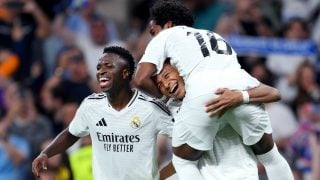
<point x="206" y="62"/>
<point x="123" y="124"/>
<point x="229" y="158"/>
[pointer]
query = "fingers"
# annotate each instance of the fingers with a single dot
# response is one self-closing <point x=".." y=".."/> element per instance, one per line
<point x="44" y="165"/>
<point x="212" y="106"/>
<point x="37" y="166"/>
<point x="212" y="102"/>
<point x="220" y="91"/>
<point x="217" y="111"/>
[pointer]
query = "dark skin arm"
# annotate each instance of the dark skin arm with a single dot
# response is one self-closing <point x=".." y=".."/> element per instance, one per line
<point x="61" y="143"/>
<point x="143" y="79"/>
<point x="167" y="171"/>
<point x="228" y="98"/>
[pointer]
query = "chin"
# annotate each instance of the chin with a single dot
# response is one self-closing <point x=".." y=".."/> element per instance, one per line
<point x="105" y="89"/>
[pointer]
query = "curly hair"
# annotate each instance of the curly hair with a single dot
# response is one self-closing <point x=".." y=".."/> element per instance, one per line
<point x="124" y="54"/>
<point x="171" y="10"/>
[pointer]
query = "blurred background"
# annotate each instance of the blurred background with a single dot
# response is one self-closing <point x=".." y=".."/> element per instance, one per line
<point x="49" y="51"/>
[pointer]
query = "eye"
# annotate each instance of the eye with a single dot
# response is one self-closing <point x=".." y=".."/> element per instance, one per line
<point x="109" y="65"/>
<point x="98" y="67"/>
<point x="166" y="76"/>
<point x="160" y="85"/>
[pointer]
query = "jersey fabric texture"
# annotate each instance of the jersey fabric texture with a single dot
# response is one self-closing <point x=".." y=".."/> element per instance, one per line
<point x="123" y="142"/>
<point x="206" y="62"/>
<point x="229" y="158"/>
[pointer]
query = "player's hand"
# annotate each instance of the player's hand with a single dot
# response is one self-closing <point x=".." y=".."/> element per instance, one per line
<point x="40" y="163"/>
<point x="226" y="100"/>
<point x="30" y="6"/>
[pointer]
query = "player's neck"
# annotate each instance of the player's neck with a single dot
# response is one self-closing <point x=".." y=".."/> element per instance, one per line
<point x="120" y="99"/>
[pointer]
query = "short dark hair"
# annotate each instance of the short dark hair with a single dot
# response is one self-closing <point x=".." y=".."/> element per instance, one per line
<point x="171" y="10"/>
<point x="124" y="54"/>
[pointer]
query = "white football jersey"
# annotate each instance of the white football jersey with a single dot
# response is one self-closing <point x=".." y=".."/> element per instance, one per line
<point x="194" y="50"/>
<point x="123" y="142"/>
<point x="229" y="158"/>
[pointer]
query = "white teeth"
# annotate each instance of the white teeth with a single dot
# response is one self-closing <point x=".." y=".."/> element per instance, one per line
<point x="172" y="89"/>
<point x="103" y="79"/>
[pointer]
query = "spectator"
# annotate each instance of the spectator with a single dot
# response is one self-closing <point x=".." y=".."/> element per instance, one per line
<point x="14" y="149"/>
<point x="93" y="45"/>
<point x="247" y="18"/>
<point x="9" y="63"/>
<point x="297" y="8"/>
<point x="20" y="30"/>
<point x="73" y="72"/>
<point x="295" y="30"/>
<point x="27" y="122"/>
<point x="307" y="88"/>
<point x="304" y="146"/>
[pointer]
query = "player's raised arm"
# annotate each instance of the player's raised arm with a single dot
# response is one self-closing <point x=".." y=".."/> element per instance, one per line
<point x="62" y="142"/>
<point x="143" y="79"/>
<point x="261" y="94"/>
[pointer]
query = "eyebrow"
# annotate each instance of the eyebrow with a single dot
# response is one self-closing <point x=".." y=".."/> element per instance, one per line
<point x="163" y="73"/>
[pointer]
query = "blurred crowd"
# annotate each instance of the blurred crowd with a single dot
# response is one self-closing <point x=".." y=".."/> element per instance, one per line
<point x="48" y="56"/>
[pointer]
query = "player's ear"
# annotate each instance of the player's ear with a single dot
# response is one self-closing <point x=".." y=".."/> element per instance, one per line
<point x="125" y="73"/>
<point x="168" y="24"/>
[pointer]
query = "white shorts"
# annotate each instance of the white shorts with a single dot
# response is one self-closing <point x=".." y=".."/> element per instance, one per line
<point x="194" y="127"/>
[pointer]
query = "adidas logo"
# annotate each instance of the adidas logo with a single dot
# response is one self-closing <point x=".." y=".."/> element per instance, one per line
<point x="102" y="122"/>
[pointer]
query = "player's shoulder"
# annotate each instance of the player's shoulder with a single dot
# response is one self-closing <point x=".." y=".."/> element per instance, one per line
<point x="95" y="97"/>
<point x="153" y="103"/>
<point x="171" y="32"/>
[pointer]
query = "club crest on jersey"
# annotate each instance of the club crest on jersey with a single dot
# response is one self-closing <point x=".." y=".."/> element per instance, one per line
<point x="135" y="122"/>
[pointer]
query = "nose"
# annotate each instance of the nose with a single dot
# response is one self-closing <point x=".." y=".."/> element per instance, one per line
<point x="101" y="73"/>
<point x="166" y="84"/>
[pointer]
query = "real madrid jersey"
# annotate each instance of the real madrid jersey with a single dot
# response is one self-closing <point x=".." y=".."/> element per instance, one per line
<point x="123" y="142"/>
<point x="229" y="158"/>
<point x="195" y="50"/>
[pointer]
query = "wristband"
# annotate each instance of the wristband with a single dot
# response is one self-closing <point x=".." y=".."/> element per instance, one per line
<point x="245" y="96"/>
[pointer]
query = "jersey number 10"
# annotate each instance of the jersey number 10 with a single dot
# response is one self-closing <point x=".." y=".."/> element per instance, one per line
<point x="213" y="43"/>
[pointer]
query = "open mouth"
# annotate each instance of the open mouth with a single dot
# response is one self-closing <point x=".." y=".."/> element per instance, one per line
<point x="174" y="89"/>
<point x="103" y="81"/>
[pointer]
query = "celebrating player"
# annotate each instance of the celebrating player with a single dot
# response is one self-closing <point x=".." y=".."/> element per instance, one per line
<point x="229" y="158"/>
<point x="123" y="124"/>
<point x="206" y="62"/>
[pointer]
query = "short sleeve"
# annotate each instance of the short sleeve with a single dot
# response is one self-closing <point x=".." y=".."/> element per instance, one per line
<point x="164" y="119"/>
<point x="79" y="126"/>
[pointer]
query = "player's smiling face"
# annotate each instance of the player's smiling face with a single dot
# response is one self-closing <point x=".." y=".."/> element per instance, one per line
<point x="170" y="83"/>
<point x="111" y="71"/>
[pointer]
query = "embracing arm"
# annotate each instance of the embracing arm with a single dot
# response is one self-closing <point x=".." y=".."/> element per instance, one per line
<point x="261" y="94"/>
<point x="62" y="142"/>
<point x="143" y="79"/>
<point x="167" y="171"/>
